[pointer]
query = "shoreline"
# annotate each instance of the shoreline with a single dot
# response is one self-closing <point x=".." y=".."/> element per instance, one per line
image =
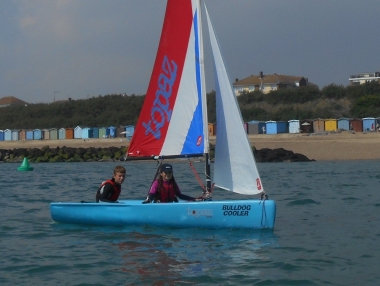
<point x="320" y="147"/>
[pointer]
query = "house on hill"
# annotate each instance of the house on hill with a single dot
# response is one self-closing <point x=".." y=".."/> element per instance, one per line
<point x="268" y="83"/>
<point x="11" y="101"/>
<point x="362" y="78"/>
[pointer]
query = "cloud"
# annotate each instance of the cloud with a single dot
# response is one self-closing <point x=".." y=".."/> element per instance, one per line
<point x="93" y="47"/>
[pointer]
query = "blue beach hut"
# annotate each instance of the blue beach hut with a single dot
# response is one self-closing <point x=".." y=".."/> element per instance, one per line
<point x="1" y="135"/>
<point x="15" y="136"/>
<point x="7" y="135"/>
<point x="95" y="132"/>
<point x="29" y="135"/>
<point x="86" y="132"/>
<point x="111" y="132"/>
<point x="343" y="123"/>
<point x="37" y="134"/>
<point x="369" y="124"/>
<point x="271" y="127"/>
<point x="78" y="132"/>
<point x="276" y="127"/>
<point x="130" y="129"/>
<point x="62" y="134"/>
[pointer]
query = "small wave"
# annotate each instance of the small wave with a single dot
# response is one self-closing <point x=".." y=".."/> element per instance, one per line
<point x="303" y="202"/>
<point x="350" y="199"/>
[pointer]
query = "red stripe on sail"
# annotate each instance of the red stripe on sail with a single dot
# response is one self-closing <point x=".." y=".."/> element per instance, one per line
<point x="152" y="125"/>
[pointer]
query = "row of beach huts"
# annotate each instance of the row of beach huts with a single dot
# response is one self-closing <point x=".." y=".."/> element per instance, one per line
<point x="67" y="133"/>
<point x="368" y="124"/>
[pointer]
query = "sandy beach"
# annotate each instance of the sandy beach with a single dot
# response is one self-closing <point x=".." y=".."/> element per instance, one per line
<point x="321" y="147"/>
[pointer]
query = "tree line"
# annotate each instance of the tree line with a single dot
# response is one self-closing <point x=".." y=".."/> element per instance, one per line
<point x="309" y="102"/>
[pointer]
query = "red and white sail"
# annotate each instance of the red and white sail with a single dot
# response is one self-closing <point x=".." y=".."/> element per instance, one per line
<point x="173" y="119"/>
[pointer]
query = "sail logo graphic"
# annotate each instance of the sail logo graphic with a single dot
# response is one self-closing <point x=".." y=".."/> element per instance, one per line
<point x="161" y="111"/>
<point x="199" y="212"/>
<point x="199" y="141"/>
<point x="258" y="183"/>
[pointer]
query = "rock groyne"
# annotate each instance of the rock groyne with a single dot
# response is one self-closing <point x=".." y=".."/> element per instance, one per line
<point x="109" y="154"/>
<point x="63" y="154"/>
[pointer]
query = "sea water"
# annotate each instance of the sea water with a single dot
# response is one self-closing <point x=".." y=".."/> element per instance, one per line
<point x="327" y="230"/>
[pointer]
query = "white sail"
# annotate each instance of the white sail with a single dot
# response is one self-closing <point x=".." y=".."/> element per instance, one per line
<point x="235" y="167"/>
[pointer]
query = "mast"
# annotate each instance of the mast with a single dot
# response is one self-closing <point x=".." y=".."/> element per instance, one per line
<point x="204" y="99"/>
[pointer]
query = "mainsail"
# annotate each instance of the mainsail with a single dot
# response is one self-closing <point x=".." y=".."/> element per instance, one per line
<point x="173" y="119"/>
<point x="235" y="167"/>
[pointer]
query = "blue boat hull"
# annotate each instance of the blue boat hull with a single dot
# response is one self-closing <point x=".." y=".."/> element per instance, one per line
<point x="253" y="214"/>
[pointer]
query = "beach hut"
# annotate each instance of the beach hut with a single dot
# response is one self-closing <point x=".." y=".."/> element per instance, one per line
<point x="22" y="134"/>
<point x="120" y="132"/>
<point x="29" y="135"/>
<point x="45" y="134"/>
<point x="62" y="134"/>
<point x="356" y="125"/>
<point x="15" y="135"/>
<point x="211" y="129"/>
<point x="37" y="134"/>
<point x="78" y="132"/>
<point x="130" y="129"/>
<point x="87" y="132"/>
<point x="270" y="127"/>
<point x="294" y="126"/>
<point x="95" y="132"/>
<point x="331" y="125"/>
<point x="306" y="126"/>
<point x="319" y="125"/>
<point x="255" y="127"/>
<point x="103" y="132"/>
<point x="343" y="123"/>
<point x="1" y="135"/>
<point x="7" y="135"/>
<point x="111" y="132"/>
<point x="69" y="133"/>
<point x="53" y="134"/>
<point x="369" y="124"/>
<point x="276" y="127"/>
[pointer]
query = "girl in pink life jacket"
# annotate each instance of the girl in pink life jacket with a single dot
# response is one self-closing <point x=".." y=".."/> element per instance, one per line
<point x="109" y="191"/>
<point x="165" y="189"/>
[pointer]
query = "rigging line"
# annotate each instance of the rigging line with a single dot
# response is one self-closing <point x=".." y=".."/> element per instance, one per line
<point x="197" y="175"/>
<point x="264" y="219"/>
<point x="159" y="163"/>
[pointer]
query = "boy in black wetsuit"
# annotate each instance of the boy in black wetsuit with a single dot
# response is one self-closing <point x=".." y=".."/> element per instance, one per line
<point x="109" y="191"/>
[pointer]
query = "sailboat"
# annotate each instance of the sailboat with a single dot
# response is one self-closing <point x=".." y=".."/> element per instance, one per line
<point x="173" y="124"/>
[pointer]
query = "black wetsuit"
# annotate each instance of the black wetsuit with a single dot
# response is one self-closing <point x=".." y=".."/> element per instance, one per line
<point x="108" y="192"/>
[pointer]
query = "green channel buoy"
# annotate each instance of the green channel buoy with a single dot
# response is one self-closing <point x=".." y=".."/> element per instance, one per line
<point x="25" y="166"/>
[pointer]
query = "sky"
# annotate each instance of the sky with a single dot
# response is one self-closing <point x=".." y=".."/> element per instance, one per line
<point x="59" y="49"/>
